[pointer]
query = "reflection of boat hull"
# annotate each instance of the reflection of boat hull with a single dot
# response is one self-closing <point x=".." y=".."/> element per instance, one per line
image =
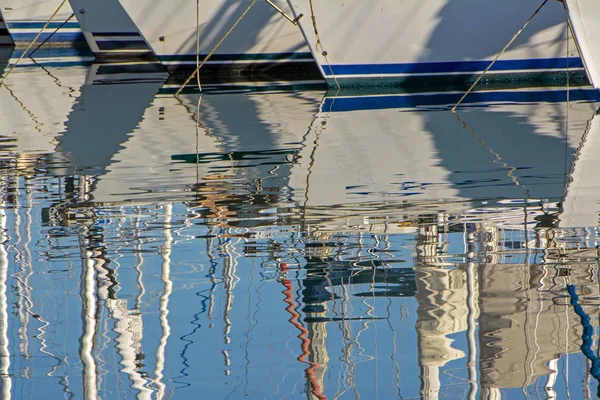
<point x="262" y="43"/>
<point x="25" y="18"/>
<point x="374" y="157"/>
<point x="580" y="206"/>
<point x="405" y="43"/>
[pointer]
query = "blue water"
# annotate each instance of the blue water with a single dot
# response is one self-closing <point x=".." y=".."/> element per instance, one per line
<point x="271" y="244"/>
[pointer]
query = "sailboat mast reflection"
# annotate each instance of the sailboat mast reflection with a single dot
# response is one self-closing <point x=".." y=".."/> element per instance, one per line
<point x="164" y="301"/>
<point x="90" y="313"/>
<point x="5" y="374"/>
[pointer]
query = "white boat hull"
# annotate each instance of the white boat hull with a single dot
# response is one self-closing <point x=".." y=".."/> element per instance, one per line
<point x="376" y="42"/>
<point x="263" y="40"/>
<point x="25" y="18"/>
<point x="109" y="31"/>
<point x="584" y="16"/>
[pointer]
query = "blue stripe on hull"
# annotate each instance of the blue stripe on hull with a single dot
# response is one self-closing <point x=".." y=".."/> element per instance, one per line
<point x="337" y="104"/>
<point x="23" y="32"/>
<point x="63" y="39"/>
<point x="39" y="25"/>
<point x="451" y="67"/>
<point x="65" y="53"/>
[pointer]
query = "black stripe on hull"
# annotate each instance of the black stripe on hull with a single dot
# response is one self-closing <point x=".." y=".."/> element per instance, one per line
<point x="115" y="34"/>
<point x="268" y="71"/>
<point x="121" y="45"/>
<point x="107" y="57"/>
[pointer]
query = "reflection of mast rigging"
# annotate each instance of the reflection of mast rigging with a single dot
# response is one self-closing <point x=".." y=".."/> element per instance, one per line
<point x="473" y="313"/>
<point x="315" y="389"/>
<point x="5" y="377"/>
<point x="129" y="329"/>
<point x="23" y="258"/>
<point x="164" y="301"/>
<point x="89" y="314"/>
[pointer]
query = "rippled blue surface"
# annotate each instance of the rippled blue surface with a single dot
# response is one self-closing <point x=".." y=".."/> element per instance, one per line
<point x="294" y="244"/>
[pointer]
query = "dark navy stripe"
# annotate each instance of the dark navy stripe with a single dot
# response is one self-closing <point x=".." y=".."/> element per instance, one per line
<point x="122" y="45"/>
<point x="40" y="25"/>
<point x="129" y="34"/>
<point x="77" y="63"/>
<point x="58" y="37"/>
<point x="102" y="82"/>
<point x="112" y="69"/>
<point x="57" y="52"/>
<point x="240" y="57"/>
<point x="449" y="99"/>
<point x="454" y="66"/>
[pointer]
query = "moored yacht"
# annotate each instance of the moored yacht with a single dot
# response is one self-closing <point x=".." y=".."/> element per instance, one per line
<point x="24" y="19"/>
<point x="182" y="33"/>
<point x="438" y="42"/>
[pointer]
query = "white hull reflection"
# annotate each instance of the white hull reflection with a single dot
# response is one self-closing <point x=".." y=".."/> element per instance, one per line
<point x="180" y="156"/>
<point x="370" y="158"/>
<point x="33" y="106"/>
<point x="581" y="207"/>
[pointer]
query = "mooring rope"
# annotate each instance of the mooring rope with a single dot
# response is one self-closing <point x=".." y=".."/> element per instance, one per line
<point x="198" y="46"/>
<point x="197" y="71"/>
<point x="319" y="44"/>
<point x="52" y="34"/>
<point x="516" y="35"/>
<point x="32" y="42"/>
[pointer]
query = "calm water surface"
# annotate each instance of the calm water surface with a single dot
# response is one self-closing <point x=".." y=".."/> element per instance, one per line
<point x="296" y="245"/>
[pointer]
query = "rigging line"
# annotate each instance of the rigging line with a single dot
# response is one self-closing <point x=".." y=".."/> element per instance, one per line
<point x="32" y="42"/>
<point x="498" y="159"/>
<point x="52" y="34"/>
<point x="198" y="50"/>
<point x="198" y="127"/>
<point x="56" y="80"/>
<point x="499" y="55"/>
<point x="319" y="44"/>
<point x="304" y="336"/>
<point x="210" y="53"/>
<point x="567" y="110"/>
<point x="280" y="11"/>
<point x="33" y="117"/>
<point x="312" y="158"/>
